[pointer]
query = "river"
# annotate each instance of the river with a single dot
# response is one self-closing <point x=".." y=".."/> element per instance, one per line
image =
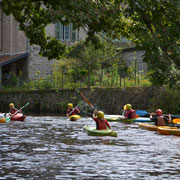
<point x="55" y="148"/>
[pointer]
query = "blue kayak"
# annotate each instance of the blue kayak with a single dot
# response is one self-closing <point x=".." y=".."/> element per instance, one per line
<point x="142" y="119"/>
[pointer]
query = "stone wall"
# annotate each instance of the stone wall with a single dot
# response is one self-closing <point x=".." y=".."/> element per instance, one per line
<point x="110" y="100"/>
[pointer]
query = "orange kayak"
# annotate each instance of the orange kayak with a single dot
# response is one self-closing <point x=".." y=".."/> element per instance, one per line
<point x="165" y="131"/>
<point x="152" y="127"/>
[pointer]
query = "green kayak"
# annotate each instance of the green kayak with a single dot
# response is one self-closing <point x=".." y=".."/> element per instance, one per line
<point x="92" y="131"/>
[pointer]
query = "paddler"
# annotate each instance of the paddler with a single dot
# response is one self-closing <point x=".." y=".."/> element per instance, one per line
<point x="160" y="119"/>
<point x="101" y="123"/>
<point x="129" y="113"/>
<point x="72" y="111"/>
<point x="13" y="109"/>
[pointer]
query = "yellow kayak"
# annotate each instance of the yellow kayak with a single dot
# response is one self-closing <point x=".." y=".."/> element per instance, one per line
<point x="151" y="127"/>
<point x="166" y="131"/>
<point x="74" y="117"/>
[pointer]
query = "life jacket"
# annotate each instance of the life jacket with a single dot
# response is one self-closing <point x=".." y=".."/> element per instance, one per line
<point x="130" y="114"/>
<point x="12" y="111"/>
<point x="133" y="113"/>
<point x="73" y="113"/>
<point x="160" y="121"/>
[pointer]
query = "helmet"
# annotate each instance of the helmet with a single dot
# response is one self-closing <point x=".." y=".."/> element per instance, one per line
<point x="159" y="112"/>
<point x="100" y="114"/>
<point x="70" y="105"/>
<point x="128" y="106"/>
<point x="11" y="104"/>
<point x="124" y="108"/>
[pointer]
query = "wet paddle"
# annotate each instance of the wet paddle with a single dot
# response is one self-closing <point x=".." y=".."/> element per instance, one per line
<point x="82" y="95"/>
<point x="141" y="112"/>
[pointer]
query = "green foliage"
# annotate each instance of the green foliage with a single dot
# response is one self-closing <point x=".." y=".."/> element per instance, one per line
<point x="168" y="101"/>
<point x="42" y="83"/>
<point x="152" y="25"/>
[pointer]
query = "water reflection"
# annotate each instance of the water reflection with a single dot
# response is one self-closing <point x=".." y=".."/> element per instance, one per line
<point x="55" y="148"/>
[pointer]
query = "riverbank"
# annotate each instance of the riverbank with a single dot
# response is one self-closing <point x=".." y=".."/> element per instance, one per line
<point x="110" y="100"/>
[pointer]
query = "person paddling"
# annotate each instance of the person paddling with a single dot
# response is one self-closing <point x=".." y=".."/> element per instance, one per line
<point x="72" y="111"/>
<point x="160" y="120"/>
<point x="101" y="123"/>
<point x="129" y="113"/>
<point x="12" y="109"/>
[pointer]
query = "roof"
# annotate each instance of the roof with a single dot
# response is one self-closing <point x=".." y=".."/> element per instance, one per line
<point x="6" y="59"/>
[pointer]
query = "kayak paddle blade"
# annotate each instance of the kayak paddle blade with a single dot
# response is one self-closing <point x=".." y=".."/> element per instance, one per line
<point x="8" y="119"/>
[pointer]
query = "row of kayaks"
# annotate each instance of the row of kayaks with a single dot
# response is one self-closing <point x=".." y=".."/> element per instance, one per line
<point x="115" y="118"/>
<point x="165" y="130"/>
<point x="16" y="117"/>
<point x="92" y="131"/>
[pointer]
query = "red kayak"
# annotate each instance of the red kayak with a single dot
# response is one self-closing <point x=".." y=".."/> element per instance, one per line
<point x="18" y="117"/>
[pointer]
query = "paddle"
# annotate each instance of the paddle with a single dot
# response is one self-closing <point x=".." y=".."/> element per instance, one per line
<point x="21" y="108"/>
<point x="141" y="112"/>
<point x="82" y="95"/>
<point x="90" y="104"/>
<point x="73" y="110"/>
<point x="9" y="118"/>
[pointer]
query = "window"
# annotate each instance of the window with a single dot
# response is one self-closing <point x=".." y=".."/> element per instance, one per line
<point x="65" y="32"/>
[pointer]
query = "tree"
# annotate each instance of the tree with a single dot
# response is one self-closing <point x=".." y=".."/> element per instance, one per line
<point x="153" y="26"/>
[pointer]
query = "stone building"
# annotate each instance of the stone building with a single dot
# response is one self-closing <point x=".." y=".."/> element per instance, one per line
<point x="19" y="58"/>
<point x="13" y="48"/>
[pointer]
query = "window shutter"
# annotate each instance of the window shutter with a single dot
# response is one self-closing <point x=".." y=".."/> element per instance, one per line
<point x="57" y="32"/>
<point x="67" y="33"/>
<point x="73" y="33"/>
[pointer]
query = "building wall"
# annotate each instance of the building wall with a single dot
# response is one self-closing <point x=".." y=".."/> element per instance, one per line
<point x="39" y="66"/>
<point x="12" y="40"/>
<point x="131" y="55"/>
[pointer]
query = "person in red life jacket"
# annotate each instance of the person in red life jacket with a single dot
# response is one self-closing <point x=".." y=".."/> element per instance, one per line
<point x="12" y="109"/>
<point x="129" y="113"/>
<point x="160" y="119"/>
<point x="72" y="111"/>
<point x="101" y="123"/>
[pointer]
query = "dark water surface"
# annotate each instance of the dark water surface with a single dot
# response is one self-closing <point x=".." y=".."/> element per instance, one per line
<point x="55" y="148"/>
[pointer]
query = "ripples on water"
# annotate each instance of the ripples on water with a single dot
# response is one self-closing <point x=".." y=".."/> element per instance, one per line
<point x="55" y="148"/>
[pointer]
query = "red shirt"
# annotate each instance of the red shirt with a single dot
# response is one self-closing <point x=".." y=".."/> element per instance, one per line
<point x="130" y="114"/>
<point x="101" y="123"/>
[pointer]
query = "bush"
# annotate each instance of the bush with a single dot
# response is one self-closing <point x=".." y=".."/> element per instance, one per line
<point x="168" y="101"/>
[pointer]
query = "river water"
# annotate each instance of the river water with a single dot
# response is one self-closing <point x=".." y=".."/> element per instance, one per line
<point x="56" y="148"/>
